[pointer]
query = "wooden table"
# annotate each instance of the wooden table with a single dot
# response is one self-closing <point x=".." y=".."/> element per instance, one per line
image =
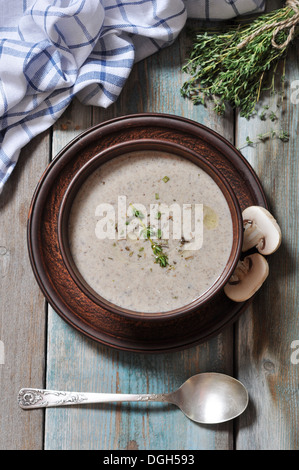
<point x="261" y="348"/>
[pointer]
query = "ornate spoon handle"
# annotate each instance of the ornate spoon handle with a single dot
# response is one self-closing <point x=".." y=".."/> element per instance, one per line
<point x="29" y="398"/>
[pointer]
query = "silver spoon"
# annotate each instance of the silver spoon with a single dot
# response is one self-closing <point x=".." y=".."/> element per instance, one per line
<point x="205" y="398"/>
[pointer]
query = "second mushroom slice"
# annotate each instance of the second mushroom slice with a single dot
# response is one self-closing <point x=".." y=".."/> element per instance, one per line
<point x="248" y="277"/>
<point x="260" y="230"/>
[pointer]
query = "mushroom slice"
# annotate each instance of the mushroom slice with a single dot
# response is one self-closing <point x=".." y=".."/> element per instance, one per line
<point x="248" y="277"/>
<point x="260" y="230"/>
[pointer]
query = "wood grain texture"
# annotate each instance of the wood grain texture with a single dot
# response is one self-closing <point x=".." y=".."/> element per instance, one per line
<point x="74" y="362"/>
<point x="266" y="332"/>
<point x="22" y="306"/>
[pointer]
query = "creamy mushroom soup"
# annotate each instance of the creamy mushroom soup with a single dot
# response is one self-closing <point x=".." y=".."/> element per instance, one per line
<point x="134" y="252"/>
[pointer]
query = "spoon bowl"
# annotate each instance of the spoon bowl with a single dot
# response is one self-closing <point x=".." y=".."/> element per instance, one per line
<point x="207" y="398"/>
<point x="211" y="398"/>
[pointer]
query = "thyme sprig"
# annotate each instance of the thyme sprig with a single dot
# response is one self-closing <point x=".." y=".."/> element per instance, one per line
<point x="280" y="134"/>
<point x="161" y="258"/>
<point x="222" y="71"/>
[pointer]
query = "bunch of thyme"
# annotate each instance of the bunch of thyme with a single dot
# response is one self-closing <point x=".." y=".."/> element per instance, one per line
<point x="236" y="66"/>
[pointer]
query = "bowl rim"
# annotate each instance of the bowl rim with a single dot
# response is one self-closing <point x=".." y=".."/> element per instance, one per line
<point x="135" y="145"/>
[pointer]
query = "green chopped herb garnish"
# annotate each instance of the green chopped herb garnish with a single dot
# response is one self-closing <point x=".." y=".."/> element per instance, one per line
<point x="162" y="260"/>
<point x="147" y="232"/>
<point x="160" y="257"/>
<point x="165" y="179"/>
<point x="137" y="213"/>
<point x="157" y="196"/>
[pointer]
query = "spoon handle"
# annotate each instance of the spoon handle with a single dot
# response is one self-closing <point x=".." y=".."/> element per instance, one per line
<point x="29" y="398"/>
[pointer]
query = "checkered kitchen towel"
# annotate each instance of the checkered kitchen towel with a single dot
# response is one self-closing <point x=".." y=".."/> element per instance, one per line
<point x="53" y="50"/>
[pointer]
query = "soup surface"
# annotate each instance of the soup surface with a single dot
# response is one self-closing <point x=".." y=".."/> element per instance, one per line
<point x="150" y="231"/>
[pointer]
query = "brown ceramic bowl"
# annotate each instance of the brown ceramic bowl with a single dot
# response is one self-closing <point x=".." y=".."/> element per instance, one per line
<point x="136" y="146"/>
<point x="48" y="249"/>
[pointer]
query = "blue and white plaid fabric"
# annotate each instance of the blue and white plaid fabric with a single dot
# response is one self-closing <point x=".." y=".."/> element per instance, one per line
<point x="51" y="51"/>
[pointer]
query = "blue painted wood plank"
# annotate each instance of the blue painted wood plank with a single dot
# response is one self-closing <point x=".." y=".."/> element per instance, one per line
<point x="268" y="330"/>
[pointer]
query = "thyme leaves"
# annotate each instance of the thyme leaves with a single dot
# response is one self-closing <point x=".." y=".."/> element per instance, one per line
<point x="272" y="134"/>
<point x="220" y="70"/>
<point x="160" y="256"/>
